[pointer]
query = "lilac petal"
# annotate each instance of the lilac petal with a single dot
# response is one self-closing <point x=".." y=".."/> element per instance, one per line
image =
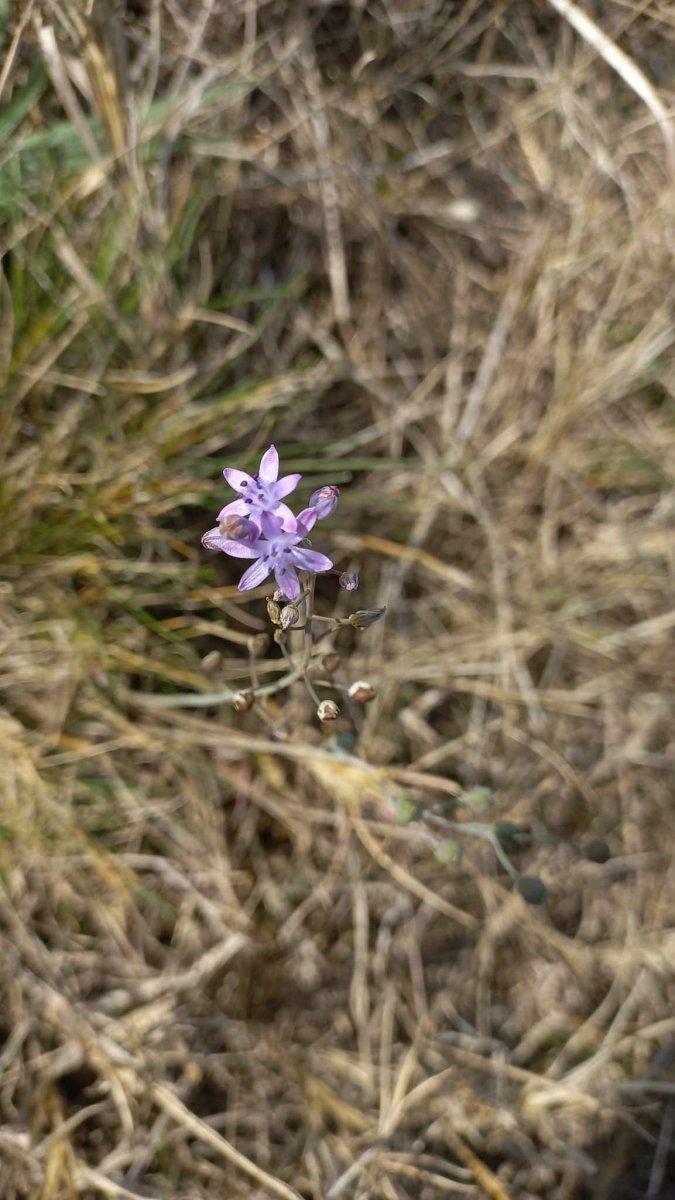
<point x="272" y="525"/>
<point x="239" y="480"/>
<point x="287" y="581"/>
<point x="285" y="515"/>
<point x="214" y="540"/>
<point x="269" y="466"/>
<point x="286" y="485"/>
<point x="306" y="520"/>
<point x="311" y="560"/>
<point x="254" y="575"/>
<point x="237" y="508"/>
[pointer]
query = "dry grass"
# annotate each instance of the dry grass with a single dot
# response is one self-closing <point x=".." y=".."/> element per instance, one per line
<point x="427" y="249"/>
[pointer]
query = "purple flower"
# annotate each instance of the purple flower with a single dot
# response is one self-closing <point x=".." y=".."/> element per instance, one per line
<point x="259" y="525"/>
<point x="325" y="500"/>
<point x="262" y="493"/>
<point x="279" y="552"/>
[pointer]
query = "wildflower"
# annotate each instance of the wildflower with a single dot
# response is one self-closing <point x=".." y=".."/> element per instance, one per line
<point x="328" y="711"/>
<point x="279" y="552"/>
<point x="361" y="691"/>
<point x="262" y="493"/>
<point x="325" y="500"/>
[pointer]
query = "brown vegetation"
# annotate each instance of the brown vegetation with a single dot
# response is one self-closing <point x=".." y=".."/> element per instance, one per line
<point x="427" y="249"/>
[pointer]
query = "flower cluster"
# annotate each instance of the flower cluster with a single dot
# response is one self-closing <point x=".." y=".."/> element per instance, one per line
<point x="259" y="525"/>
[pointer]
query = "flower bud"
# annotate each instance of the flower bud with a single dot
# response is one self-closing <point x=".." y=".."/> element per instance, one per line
<point x="242" y="701"/>
<point x="289" y="616"/>
<point x="238" y="529"/>
<point x="365" y="617"/>
<point x="331" y="662"/>
<point x="349" y="580"/>
<point x="273" y="611"/>
<point x="361" y="691"/>
<point x="328" y="711"/>
<point x="325" y="500"/>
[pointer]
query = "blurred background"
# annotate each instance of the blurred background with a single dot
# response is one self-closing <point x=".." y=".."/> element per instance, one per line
<point x="426" y="249"/>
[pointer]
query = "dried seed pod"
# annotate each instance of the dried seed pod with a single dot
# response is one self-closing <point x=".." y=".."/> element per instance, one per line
<point x="328" y="711"/>
<point x="273" y="611"/>
<point x="361" y="691"/>
<point x="349" y="580"/>
<point x="331" y="662"/>
<point x="288" y="616"/>
<point x="243" y="701"/>
<point x="363" y="618"/>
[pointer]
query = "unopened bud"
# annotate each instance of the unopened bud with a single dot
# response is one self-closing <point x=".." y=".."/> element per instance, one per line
<point x="242" y="701"/>
<point x="365" y="617"/>
<point x="328" y="711"/>
<point x="238" y="529"/>
<point x="325" y="500"/>
<point x="349" y="580"/>
<point x="331" y="662"/>
<point x="361" y="691"/>
<point x="289" y="616"/>
<point x="532" y="889"/>
<point x="273" y="611"/>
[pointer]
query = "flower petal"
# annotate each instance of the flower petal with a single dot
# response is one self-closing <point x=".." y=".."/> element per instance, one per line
<point x="310" y="560"/>
<point x="237" y="508"/>
<point x="254" y="575"/>
<point x="284" y="514"/>
<point x="239" y="480"/>
<point x="272" y="526"/>
<point x="286" y="485"/>
<point x="306" y="520"/>
<point x="269" y="466"/>
<point x="214" y="540"/>
<point x="287" y="582"/>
